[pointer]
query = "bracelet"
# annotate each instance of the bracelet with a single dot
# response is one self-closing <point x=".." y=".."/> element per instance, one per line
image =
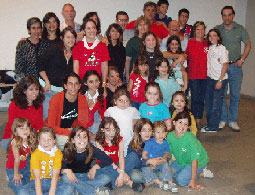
<point x="242" y="60"/>
<point x="120" y="170"/>
<point x="220" y="80"/>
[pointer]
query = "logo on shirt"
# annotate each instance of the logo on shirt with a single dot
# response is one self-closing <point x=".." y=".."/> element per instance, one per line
<point x="184" y="149"/>
<point x="149" y="113"/>
<point x="206" y="49"/>
<point x="136" y="87"/>
<point x="69" y="115"/>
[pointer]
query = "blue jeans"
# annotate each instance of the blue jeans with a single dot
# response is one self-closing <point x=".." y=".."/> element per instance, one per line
<point x="48" y="96"/>
<point x="97" y="120"/>
<point x="198" y="89"/>
<point x="132" y="161"/>
<point x="26" y="178"/>
<point x="62" y="189"/>
<point x="136" y="104"/>
<point x="137" y="176"/>
<point x="213" y="103"/>
<point x="161" y="172"/>
<point x="183" y="175"/>
<point x="85" y="185"/>
<point x="4" y="143"/>
<point x="235" y="77"/>
<point x="112" y="173"/>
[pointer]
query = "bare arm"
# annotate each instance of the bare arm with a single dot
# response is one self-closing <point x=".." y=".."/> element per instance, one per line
<point x="54" y="181"/>
<point x="130" y="84"/>
<point x="170" y="55"/>
<point x="246" y="52"/>
<point x="223" y="72"/>
<point x="127" y="67"/>
<point x="76" y="66"/>
<point x="17" y="176"/>
<point x="38" y="185"/>
<point x="70" y="175"/>
<point x="193" y="180"/>
<point x="44" y="76"/>
<point x="104" y="69"/>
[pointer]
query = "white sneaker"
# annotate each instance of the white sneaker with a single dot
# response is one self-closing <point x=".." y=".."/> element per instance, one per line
<point x="234" y="126"/>
<point x="208" y="173"/>
<point x="102" y="191"/>
<point x="222" y="125"/>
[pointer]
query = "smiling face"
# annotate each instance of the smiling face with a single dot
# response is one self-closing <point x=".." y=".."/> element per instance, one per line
<point x="174" y="28"/>
<point x="35" y="30"/>
<point x="146" y="132"/>
<point x="181" y="126"/>
<point x="94" y="18"/>
<point x="122" y="102"/>
<point x="90" y="31"/>
<point x="143" y="69"/>
<point x="178" y="103"/>
<point x="122" y="20"/>
<point x="113" y="78"/>
<point x="46" y="141"/>
<point x="72" y="87"/>
<point x="174" y="45"/>
<point x="149" y="13"/>
<point x="114" y="34"/>
<point x="183" y="18"/>
<point x="142" y="28"/>
<point x="109" y="132"/>
<point x="213" y="37"/>
<point x="150" y="43"/>
<point x="152" y="95"/>
<point x="32" y="93"/>
<point x="23" y="131"/>
<point x="159" y="134"/>
<point x="200" y="32"/>
<point x="162" y="9"/>
<point x="52" y="25"/>
<point x="80" y="141"/>
<point x="93" y="83"/>
<point x="69" y="39"/>
<point x="228" y="16"/>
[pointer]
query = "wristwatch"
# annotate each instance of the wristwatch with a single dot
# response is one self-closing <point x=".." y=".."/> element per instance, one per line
<point x="220" y="80"/>
<point x="242" y="60"/>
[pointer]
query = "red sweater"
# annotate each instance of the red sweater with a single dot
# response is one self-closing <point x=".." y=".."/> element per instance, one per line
<point x="35" y="117"/>
<point x="97" y="107"/>
<point x="56" y="110"/>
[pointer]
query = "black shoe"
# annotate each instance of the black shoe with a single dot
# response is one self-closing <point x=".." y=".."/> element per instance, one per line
<point x="138" y="187"/>
<point x="109" y="185"/>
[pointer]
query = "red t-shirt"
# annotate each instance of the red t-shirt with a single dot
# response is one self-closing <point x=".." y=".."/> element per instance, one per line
<point x="138" y="88"/>
<point x="35" y="117"/>
<point x="113" y="151"/>
<point x="23" y="158"/>
<point x="159" y="30"/>
<point x="197" y="55"/>
<point x="90" y="59"/>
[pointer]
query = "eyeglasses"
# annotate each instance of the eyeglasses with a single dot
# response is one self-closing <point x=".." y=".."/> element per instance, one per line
<point x="123" y="101"/>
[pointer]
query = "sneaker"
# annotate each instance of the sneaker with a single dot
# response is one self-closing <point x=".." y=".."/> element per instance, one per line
<point x="164" y="186"/>
<point x="102" y="191"/>
<point x="222" y="124"/>
<point x="138" y="187"/>
<point x="207" y="130"/>
<point x="207" y="173"/>
<point x="234" y="126"/>
<point x="173" y="188"/>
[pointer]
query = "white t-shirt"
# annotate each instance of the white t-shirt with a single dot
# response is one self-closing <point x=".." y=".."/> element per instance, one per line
<point x="124" y="119"/>
<point x="216" y="57"/>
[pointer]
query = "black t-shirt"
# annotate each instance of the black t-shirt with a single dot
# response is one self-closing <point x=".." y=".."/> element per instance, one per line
<point x="70" y="113"/>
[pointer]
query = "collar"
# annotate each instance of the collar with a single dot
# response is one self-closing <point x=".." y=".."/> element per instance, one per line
<point x="51" y="152"/>
<point x="152" y="104"/>
<point x="94" y="98"/>
<point x="93" y="45"/>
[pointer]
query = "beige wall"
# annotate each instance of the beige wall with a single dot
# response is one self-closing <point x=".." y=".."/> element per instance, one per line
<point x="248" y="85"/>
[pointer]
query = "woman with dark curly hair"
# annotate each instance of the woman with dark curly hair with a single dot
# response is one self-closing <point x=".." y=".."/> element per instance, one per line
<point x="27" y="102"/>
<point x="93" y="16"/>
<point x="51" y="31"/>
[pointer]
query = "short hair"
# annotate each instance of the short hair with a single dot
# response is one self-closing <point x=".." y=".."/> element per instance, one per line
<point x="159" y="125"/>
<point x="46" y="130"/>
<point x="197" y="23"/>
<point x="67" y="5"/>
<point x="71" y="74"/>
<point x="32" y="21"/>
<point x="113" y="68"/>
<point x="161" y="2"/>
<point x="228" y="7"/>
<point x="183" y="115"/>
<point x="138" y="21"/>
<point x="148" y="4"/>
<point x="183" y="10"/>
<point x="121" y="13"/>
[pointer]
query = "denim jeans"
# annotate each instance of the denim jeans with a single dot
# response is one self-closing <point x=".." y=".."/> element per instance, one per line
<point x="4" y="143"/>
<point x="213" y="103"/>
<point x="85" y="185"/>
<point x="62" y="189"/>
<point x="183" y="175"/>
<point x="235" y="77"/>
<point x="112" y="173"/>
<point x="132" y="161"/>
<point x="198" y="89"/>
<point x="48" y="96"/>
<point x="161" y="172"/>
<point x="26" y="178"/>
<point x="97" y="120"/>
<point x="137" y="176"/>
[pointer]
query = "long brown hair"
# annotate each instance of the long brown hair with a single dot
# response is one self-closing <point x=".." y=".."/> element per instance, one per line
<point x="143" y="47"/>
<point x="17" y="123"/>
<point x="100" y="136"/>
<point x="137" y="141"/>
<point x="69" y="148"/>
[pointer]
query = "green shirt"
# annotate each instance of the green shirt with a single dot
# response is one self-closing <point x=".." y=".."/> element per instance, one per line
<point x="133" y="50"/>
<point x="232" y="39"/>
<point x="187" y="148"/>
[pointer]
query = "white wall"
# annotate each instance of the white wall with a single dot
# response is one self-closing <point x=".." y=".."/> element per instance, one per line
<point x="14" y="14"/>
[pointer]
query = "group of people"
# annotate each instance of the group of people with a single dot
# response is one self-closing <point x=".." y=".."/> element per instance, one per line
<point x="106" y="111"/>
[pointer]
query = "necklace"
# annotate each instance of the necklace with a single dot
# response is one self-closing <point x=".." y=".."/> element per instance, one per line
<point x="150" y="54"/>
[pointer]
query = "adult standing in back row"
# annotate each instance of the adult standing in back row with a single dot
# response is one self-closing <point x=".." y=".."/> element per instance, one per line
<point x="232" y="36"/>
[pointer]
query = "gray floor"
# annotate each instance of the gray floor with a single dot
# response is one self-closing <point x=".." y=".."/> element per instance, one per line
<point x="232" y="159"/>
